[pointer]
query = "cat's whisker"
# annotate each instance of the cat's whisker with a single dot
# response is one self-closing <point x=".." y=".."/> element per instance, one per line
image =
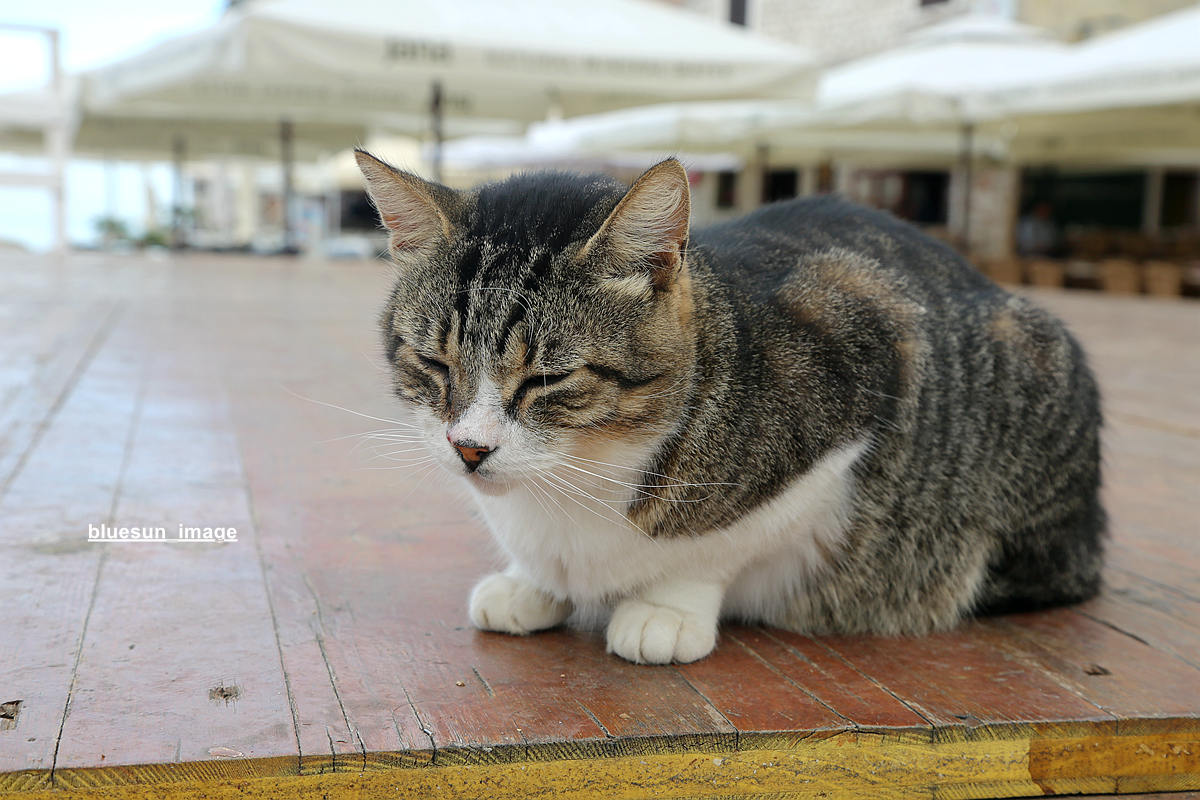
<point x="540" y="491"/>
<point x="639" y="488"/>
<point x="670" y="391"/>
<point x="431" y="469"/>
<point x="379" y="434"/>
<point x="673" y="482"/>
<point x="379" y="368"/>
<point x="392" y="436"/>
<point x="877" y="393"/>
<point x="655" y="492"/>
<point x="570" y="490"/>
<point x="379" y="440"/>
<point x="347" y="410"/>
<point x="394" y="455"/>
<point x="408" y="464"/>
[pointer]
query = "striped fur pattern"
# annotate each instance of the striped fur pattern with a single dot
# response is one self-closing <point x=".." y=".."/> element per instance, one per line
<point x="813" y="417"/>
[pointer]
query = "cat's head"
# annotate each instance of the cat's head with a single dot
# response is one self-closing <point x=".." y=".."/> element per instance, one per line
<point x="541" y="321"/>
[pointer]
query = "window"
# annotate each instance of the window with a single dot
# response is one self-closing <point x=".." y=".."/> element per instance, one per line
<point x="726" y="189"/>
<point x="926" y="197"/>
<point x="779" y="184"/>
<point x="1179" y="199"/>
<point x="737" y="12"/>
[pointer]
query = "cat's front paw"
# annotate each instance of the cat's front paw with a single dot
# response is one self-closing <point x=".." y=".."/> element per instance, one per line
<point x="651" y="634"/>
<point x="509" y="604"/>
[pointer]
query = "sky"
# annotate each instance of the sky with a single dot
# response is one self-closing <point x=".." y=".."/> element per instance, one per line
<point x="92" y="33"/>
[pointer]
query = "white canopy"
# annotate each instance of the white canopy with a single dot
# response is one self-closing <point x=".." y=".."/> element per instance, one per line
<point x="506" y="152"/>
<point x="941" y="73"/>
<point x="1153" y="63"/>
<point x="374" y="61"/>
<point x="1127" y="97"/>
<point x="907" y="100"/>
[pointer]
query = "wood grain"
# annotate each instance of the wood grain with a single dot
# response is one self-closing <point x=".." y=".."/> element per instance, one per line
<point x="214" y="691"/>
<point x="49" y="568"/>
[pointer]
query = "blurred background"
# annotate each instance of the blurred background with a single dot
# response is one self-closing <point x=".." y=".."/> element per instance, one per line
<point x="1052" y="141"/>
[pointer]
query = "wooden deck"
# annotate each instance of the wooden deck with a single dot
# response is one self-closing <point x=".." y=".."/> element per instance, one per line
<point x="326" y="652"/>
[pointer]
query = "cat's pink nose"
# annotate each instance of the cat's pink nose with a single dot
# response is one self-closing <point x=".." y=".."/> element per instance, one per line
<point x="472" y="452"/>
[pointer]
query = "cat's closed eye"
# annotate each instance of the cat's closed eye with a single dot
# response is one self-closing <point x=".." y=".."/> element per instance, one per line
<point x="544" y="381"/>
<point x="434" y="365"/>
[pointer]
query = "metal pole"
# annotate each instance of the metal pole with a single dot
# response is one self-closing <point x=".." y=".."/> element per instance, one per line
<point x="178" y="152"/>
<point x="288" y="158"/>
<point x="437" y="113"/>
<point x="968" y="135"/>
<point x="60" y="144"/>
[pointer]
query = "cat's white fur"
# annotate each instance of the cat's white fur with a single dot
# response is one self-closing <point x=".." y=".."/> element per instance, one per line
<point x="571" y="549"/>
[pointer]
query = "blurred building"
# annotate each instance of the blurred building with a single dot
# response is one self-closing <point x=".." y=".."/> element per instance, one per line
<point x="848" y="29"/>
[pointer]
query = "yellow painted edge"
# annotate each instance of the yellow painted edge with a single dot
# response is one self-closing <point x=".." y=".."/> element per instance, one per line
<point x="845" y="765"/>
<point x="841" y="766"/>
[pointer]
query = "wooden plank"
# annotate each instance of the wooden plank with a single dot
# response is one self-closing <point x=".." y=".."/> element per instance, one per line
<point x="48" y="344"/>
<point x="1164" y="619"/>
<point x="180" y="644"/>
<point x="1167" y="573"/>
<point x="1152" y="481"/>
<point x="49" y="570"/>
<point x="1148" y="690"/>
<point x="376" y="666"/>
<point x="744" y="680"/>
<point x="961" y="681"/>
<point x="303" y="492"/>
<point x="831" y="680"/>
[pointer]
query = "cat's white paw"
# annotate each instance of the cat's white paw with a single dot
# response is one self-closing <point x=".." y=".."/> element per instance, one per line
<point x="651" y="634"/>
<point x="509" y="604"/>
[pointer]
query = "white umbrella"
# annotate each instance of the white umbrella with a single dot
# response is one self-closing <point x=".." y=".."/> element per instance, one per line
<point x="940" y="79"/>
<point x="741" y="127"/>
<point x="941" y="74"/>
<point x="394" y="64"/>
<point x="909" y="99"/>
<point x="1131" y="96"/>
<point x="376" y="61"/>
<point x="1156" y="62"/>
<point x="493" y="152"/>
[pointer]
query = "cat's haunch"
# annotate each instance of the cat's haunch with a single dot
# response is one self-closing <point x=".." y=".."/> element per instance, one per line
<point x="813" y="417"/>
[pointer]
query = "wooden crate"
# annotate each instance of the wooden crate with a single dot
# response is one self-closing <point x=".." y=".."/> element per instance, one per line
<point x="1120" y="276"/>
<point x="1163" y="278"/>
<point x="1046" y="273"/>
<point x="1005" y="270"/>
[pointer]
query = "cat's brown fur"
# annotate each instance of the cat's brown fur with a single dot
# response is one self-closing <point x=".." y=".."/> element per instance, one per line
<point x="813" y="417"/>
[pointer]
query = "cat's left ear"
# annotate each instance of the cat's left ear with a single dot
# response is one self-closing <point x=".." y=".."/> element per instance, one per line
<point x="646" y="235"/>
<point x="415" y="212"/>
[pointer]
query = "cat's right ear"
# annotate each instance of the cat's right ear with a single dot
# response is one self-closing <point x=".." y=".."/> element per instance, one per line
<point x="411" y="209"/>
<point x="646" y="235"/>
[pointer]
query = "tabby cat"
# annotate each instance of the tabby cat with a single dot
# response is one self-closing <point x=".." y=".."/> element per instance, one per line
<point x="813" y="417"/>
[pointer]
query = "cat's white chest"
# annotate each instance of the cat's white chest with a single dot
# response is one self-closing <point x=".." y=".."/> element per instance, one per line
<point x="574" y="542"/>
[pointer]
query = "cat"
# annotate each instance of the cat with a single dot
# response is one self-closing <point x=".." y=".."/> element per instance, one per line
<point x="813" y="417"/>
